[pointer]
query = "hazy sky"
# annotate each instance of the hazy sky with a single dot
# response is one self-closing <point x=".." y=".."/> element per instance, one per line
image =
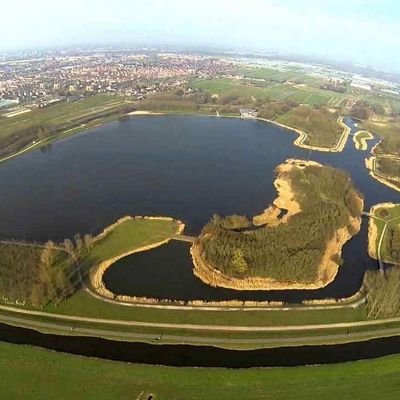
<point x="361" y="31"/>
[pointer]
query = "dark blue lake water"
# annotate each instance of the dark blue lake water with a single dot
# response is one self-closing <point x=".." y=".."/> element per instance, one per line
<point x="187" y="167"/>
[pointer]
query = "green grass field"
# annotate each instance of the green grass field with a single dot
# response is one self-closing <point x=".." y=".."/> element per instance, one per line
<point x="58" y="114"/>
<point x="272" y="91"/>
<point x="30" y="373"/>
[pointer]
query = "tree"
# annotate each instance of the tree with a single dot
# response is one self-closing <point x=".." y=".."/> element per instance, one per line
<point x="239" y="262"/>
<point x="78" y="241"/>
<point x="68" y="246"/>
<point x="88" y="240"/>
<point x="47" y="256"/>
<point x="38" y="295"/>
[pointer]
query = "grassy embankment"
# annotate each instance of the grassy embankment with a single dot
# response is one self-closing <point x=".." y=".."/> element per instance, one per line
<point x="56" y="121"/>
<point x="32" y="373"/>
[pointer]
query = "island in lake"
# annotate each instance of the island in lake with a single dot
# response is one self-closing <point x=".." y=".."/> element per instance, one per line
<point x="295" y="244"/>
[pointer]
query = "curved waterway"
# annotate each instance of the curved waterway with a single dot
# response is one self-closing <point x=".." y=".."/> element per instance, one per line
<point x="187" y="167"/>
<point x="202" y="356"/>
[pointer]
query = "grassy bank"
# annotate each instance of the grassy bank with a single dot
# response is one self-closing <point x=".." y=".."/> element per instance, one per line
<point x="32" y="373"/>
<point x="82" y="304"/>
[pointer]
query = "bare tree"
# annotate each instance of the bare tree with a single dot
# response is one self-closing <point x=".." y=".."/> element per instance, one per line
<point x="88" y="240"/>
<point x="68" y="246"/>
<point x="78" y="241"/>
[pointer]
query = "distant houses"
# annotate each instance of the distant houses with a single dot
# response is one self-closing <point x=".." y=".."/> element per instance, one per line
<point x="247" y="113"/>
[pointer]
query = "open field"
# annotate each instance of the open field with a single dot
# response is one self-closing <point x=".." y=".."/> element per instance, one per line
<point x="275" y="75"/>
<point x="272" y="91"/>
<point x="22" y="370"/>
<point x="60" y="113"/>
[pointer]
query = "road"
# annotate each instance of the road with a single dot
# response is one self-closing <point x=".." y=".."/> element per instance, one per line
<point x="201" y="327"/>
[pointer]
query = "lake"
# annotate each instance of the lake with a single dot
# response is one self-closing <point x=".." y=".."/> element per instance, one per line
<point x="186" y="167"/>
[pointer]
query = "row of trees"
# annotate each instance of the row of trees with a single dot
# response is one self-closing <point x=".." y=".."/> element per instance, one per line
<point x="38" y="276"/>
<point x="290" y="251"/>
<point x="388" y="167"/>
<point x="383" y="293"/>
<point x="392" y="243"/>
<point x="33" y="275"/>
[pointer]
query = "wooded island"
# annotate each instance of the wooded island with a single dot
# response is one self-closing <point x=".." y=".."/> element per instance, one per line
<point x="300" y="242"/>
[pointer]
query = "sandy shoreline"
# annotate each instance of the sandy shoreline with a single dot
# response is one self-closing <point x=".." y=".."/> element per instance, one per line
<point x="327" y="271"/>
